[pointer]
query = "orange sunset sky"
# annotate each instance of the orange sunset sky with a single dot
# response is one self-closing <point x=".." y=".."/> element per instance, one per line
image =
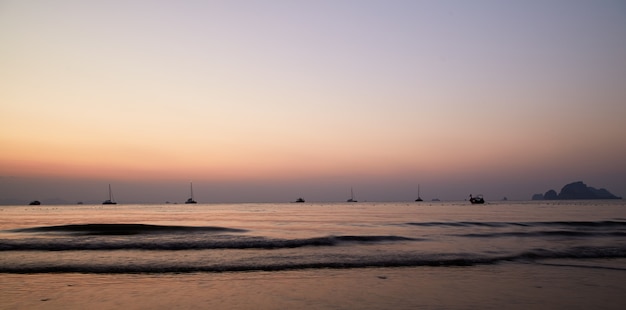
<point x="272" y="100"/>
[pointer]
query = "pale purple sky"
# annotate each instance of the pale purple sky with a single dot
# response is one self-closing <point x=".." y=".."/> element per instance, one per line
<point x="272" y="100"/>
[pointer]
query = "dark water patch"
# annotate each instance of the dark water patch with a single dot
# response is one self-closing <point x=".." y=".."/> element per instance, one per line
<point x="123" y="229"/>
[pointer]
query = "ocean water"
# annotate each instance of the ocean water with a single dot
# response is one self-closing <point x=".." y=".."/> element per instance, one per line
<point x="549" y="254"/>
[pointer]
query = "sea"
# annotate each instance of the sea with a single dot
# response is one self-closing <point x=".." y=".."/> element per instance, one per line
<point x="364" y="255"/>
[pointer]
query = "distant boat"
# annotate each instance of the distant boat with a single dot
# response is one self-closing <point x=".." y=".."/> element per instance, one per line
<point x="299" y="200"/>
<point x="351" y="196"/>
<point x="34" y="203"/>
<point x="418" y="194"/>
<point x="109" y="201"/>
<point x="477" y="200"/>
<point x="190" y="200"/>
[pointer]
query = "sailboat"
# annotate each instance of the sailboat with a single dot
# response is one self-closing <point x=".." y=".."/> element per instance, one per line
<point x="109" y="201"/>
<point x="190" y="200"/>
<point x="351" y="196"/>
<point x="418" y="194"/>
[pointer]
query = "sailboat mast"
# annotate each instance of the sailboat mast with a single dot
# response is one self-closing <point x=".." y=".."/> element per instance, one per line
<point x="351" y="195"/>
<point x="110" y="193"/>
<point x="419" y="198"/>
<point x="191" y="186"/>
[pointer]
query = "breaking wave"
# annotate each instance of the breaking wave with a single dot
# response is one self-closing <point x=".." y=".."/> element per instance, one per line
<point x="432" y="260"/>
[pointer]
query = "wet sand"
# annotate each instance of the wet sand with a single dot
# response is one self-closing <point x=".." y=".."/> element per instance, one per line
<point x="599" y="284"/>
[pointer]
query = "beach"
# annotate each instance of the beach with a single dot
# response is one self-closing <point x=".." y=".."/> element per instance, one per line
<point x="507" y="285"/>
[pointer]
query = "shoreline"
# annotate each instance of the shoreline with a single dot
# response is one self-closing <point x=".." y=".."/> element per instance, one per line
<point x="554" y="284"/>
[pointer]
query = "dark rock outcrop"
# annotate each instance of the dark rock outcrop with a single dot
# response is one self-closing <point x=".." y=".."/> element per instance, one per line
<point x="537" y="197"/>
<point x="550" y="195"/>
<point x="579" y="190"/>
<point x="576" y="190"/>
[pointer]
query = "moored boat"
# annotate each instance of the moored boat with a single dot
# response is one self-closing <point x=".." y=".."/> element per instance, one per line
<point x="190" y="200"/>
<point x="477" y="200"/>
<point x="109" y="201"/>
<point x="418" y="194"/>
<point x="352" y="199"/>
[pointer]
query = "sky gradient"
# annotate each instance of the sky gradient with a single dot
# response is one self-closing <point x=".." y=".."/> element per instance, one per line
<point x="272" y="100"/>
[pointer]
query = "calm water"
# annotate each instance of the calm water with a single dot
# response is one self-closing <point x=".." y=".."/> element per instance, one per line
<point x="382" y="247"/>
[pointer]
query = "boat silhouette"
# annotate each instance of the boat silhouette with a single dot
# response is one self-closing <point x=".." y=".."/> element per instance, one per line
<point x="477" y="200"/>
<point x="190" y="200"/>
<point x="109" y="201"/>
<point x="418" y="194"/>
<point x="351" y="196"/>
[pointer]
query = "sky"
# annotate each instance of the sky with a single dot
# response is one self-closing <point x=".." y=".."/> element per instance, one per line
<point x="268" y="101"/>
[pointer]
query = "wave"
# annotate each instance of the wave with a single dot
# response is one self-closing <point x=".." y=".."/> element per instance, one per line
<point x="560" y="233"/>
<point x="89" y="244"/>
<point x="592" y="224"/>
<point x="122" y="229"/>
<point x="432" y="260"/>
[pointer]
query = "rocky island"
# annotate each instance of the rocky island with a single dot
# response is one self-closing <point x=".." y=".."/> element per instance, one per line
<point x="576" y="190"/>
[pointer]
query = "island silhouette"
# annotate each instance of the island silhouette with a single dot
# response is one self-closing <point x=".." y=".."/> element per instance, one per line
<point x="576" y="190"/>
